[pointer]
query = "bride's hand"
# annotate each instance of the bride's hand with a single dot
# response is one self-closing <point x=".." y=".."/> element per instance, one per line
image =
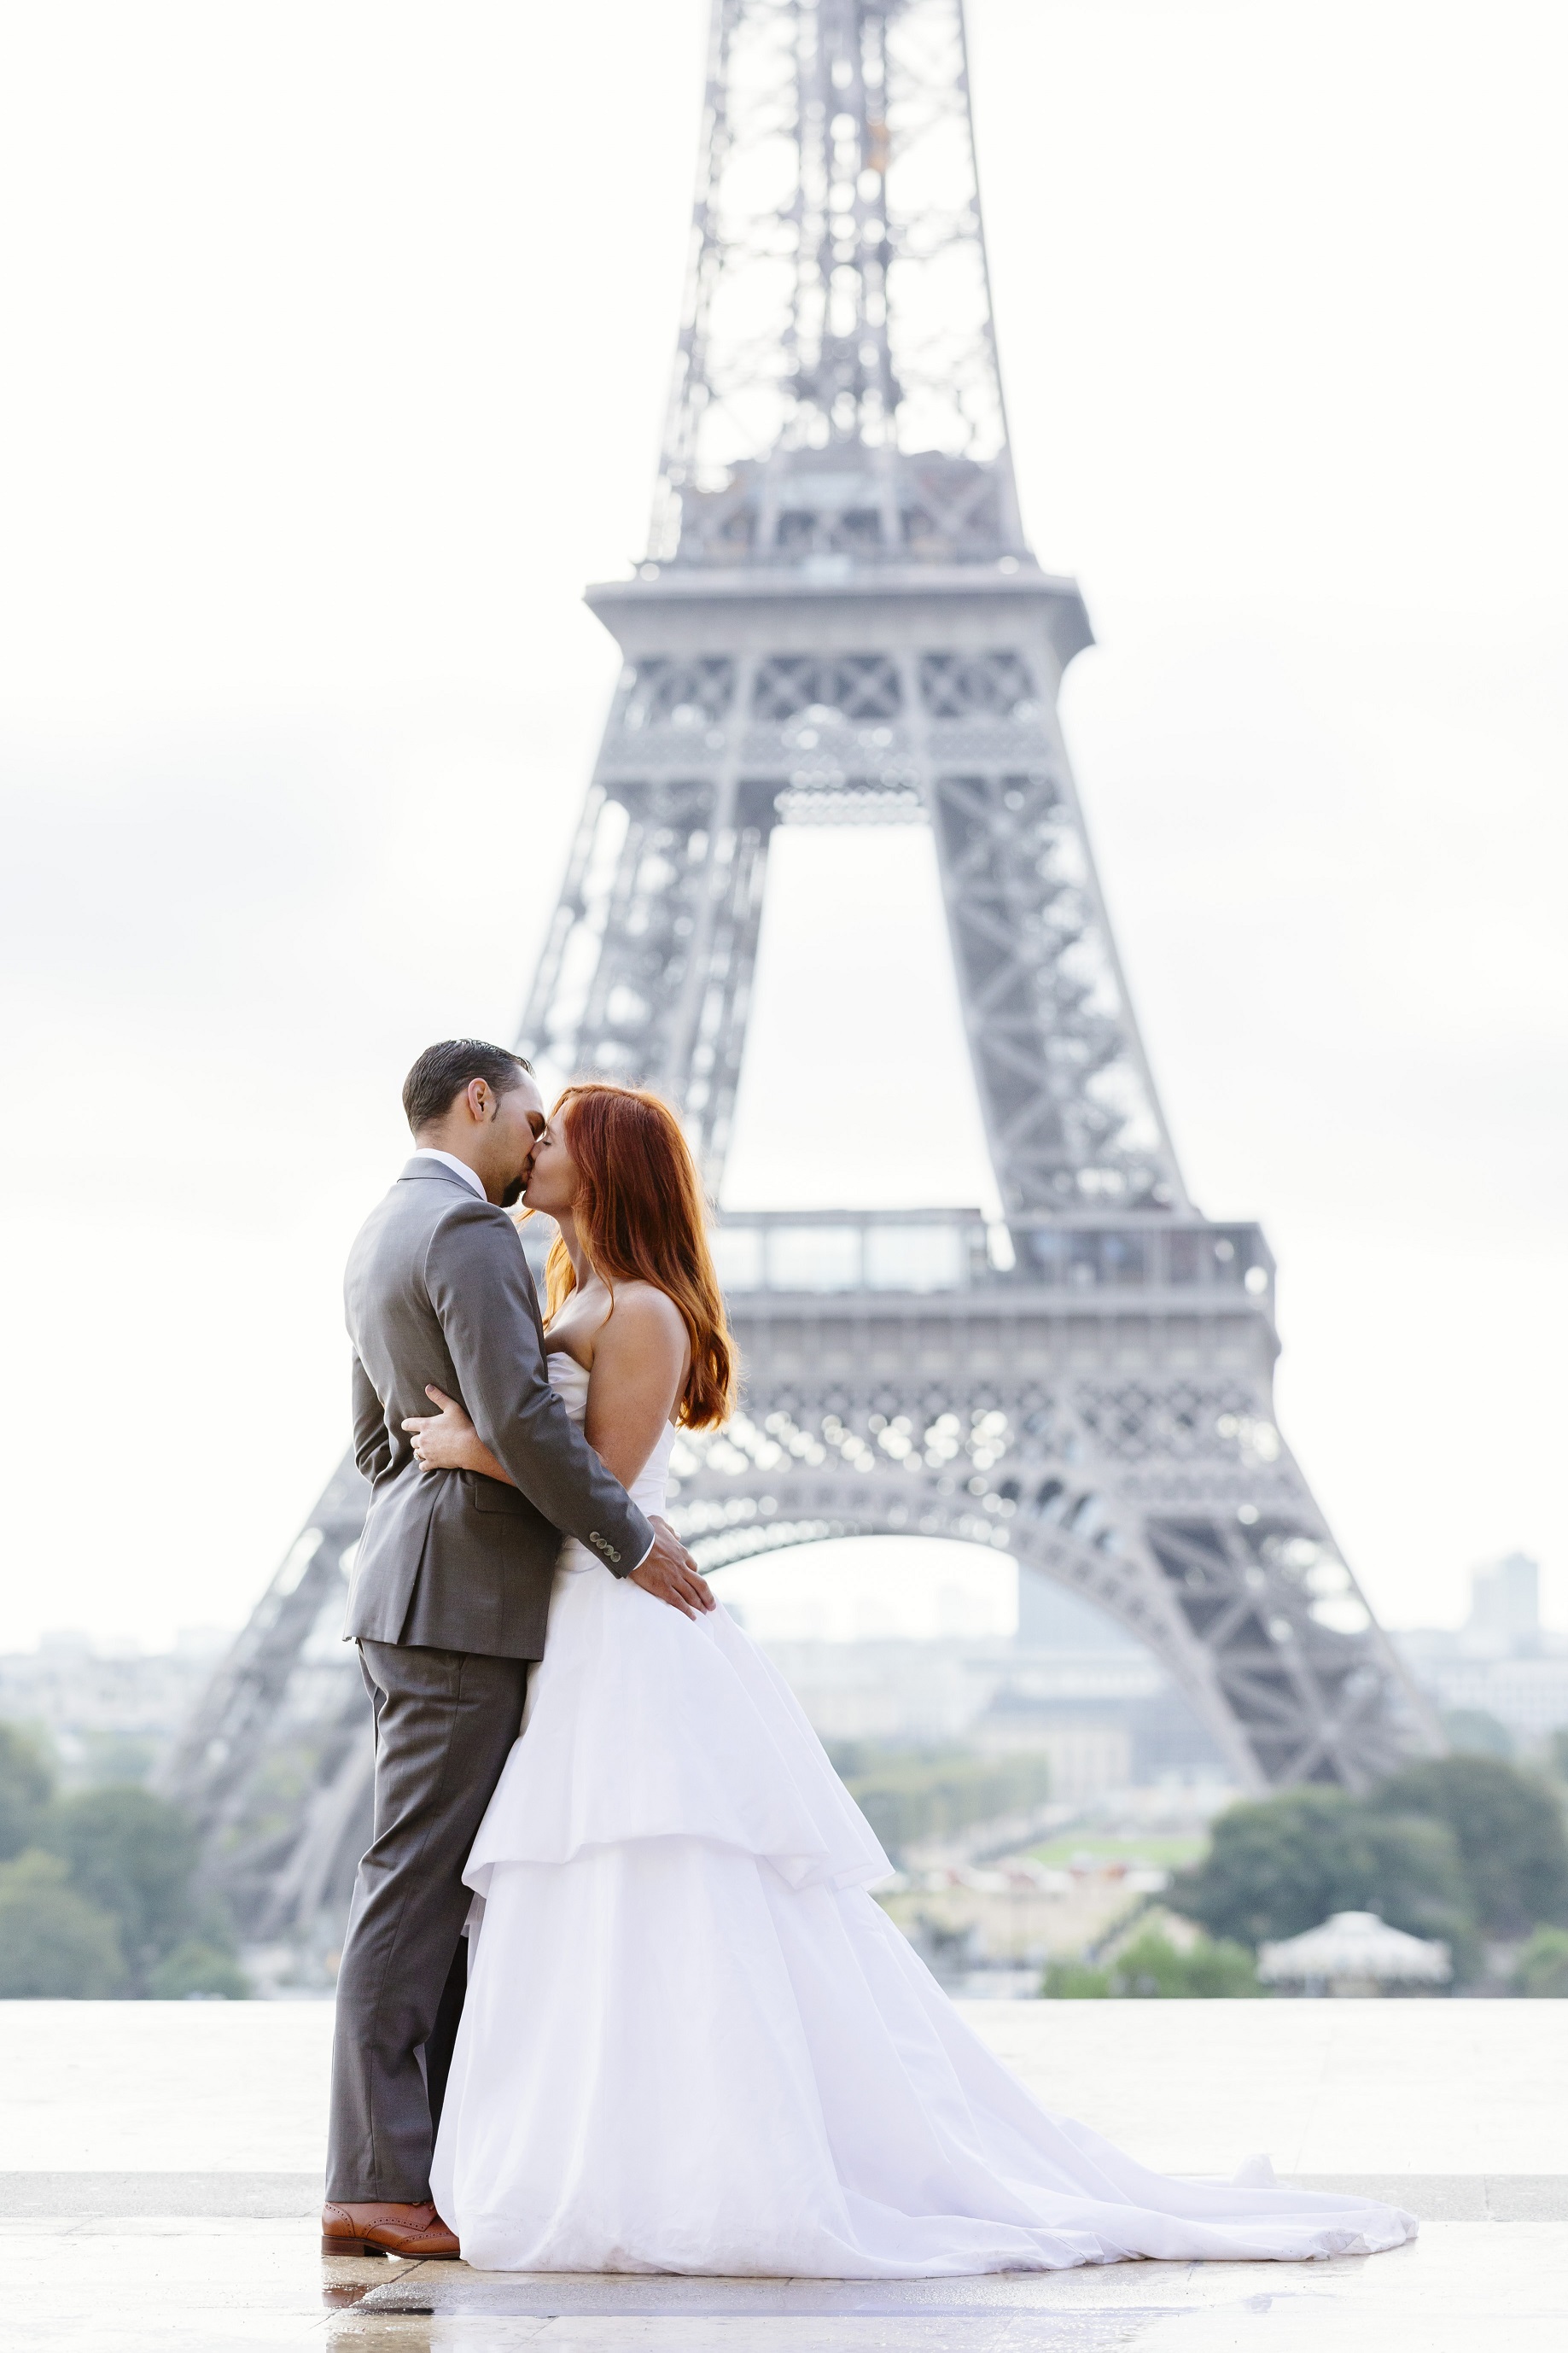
<point x="447" y="1441"/>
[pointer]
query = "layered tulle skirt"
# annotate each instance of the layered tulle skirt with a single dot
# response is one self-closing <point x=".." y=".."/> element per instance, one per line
<point x="694" y="2043"/>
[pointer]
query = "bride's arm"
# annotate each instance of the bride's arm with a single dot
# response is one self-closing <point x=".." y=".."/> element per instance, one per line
<point x="639" y="1364"/>
<point x="638" y="1368"/>
<point x="447" y="1441"/>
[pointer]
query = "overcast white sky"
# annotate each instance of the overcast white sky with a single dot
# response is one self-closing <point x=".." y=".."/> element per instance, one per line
<point x="336" y="346"/>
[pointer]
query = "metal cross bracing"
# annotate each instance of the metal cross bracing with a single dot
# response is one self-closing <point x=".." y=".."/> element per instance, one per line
<point x="917" y="694"/>
<point x="838" y="299"/>
<point x="1101" y="1409"/>
<point x="274" y="1766"/>
<point x="839" y="621"/>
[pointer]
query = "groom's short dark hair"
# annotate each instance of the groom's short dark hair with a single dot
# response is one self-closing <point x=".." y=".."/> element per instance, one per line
<point x="443" y="1073"/>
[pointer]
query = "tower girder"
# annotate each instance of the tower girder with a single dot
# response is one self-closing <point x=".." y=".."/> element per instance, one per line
<point x="839" y="620"/>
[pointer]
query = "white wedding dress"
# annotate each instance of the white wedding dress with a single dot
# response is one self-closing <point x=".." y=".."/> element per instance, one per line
<point x="694" y="2043"/>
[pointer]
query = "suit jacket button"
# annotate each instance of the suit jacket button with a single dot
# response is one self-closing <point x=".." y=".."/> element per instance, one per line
<point x="611" y="1552"/>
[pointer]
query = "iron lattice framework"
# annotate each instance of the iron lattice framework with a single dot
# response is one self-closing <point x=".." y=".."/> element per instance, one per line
<point x="839" y="622"/>
<point x="838" y="296"/>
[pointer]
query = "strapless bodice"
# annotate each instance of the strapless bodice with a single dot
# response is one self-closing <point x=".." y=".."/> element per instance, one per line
<point x="569" y="1379"/>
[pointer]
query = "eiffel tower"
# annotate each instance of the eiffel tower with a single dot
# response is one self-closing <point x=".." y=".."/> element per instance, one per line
<point x="840" y="622"/>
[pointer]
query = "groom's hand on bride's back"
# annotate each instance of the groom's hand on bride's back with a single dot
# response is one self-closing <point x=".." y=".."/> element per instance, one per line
<point x="670" y="1573"/>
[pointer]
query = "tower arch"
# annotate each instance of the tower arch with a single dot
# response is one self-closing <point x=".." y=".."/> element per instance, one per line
<point x="839" y="619"/>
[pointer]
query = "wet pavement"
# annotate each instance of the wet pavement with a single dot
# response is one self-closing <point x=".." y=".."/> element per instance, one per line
<point x="159" y="2189"/>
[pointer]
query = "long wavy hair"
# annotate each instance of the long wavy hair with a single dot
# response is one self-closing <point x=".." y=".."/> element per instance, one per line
<point x="640" y="1219"/>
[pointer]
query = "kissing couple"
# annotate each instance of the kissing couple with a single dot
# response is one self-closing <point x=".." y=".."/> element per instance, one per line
<point x="614" y="1994"/>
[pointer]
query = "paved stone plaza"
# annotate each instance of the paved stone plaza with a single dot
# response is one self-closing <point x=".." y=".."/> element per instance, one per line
<point x="160" y="2178"/>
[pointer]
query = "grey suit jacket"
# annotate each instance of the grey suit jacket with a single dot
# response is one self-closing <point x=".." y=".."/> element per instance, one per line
<point x="438" y="1290"/>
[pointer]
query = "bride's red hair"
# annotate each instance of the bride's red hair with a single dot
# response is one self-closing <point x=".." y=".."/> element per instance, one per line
<point x="640" y="1218"/>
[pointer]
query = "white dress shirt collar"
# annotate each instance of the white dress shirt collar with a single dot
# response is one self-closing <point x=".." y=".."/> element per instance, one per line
<point x="450" y="1160"/>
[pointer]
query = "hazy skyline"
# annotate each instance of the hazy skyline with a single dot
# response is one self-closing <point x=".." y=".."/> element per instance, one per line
<point x="338" y="338"/>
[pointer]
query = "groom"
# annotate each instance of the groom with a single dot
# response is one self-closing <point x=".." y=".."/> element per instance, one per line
<point x="450" y="1594"/>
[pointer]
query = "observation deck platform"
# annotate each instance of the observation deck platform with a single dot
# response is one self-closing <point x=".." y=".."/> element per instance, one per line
<point x="160" y="2180"/>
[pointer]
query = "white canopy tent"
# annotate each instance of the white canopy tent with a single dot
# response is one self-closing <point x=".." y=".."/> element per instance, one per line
<point x="1355" y="1953"/>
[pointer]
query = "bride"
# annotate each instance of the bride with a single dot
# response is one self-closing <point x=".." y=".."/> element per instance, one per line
<point x="693" y="2042"/>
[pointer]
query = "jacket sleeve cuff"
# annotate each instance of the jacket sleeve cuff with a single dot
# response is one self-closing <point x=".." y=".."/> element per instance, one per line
<point x="638" y="1562"/>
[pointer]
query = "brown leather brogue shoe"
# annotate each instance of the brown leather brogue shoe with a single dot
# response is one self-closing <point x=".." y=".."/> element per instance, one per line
<point x="416" y="2233"/>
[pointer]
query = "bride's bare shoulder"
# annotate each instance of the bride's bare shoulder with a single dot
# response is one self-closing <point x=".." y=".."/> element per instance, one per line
<point x="644" y="1329"/>
<point x="644" y="1312"/>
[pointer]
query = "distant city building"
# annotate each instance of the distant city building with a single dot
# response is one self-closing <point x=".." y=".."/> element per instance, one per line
<point x="1073" y="1687"/>
<point x="1501" y="1662"/>
<point x="1089" y="1747"/>
<point x="1103" y="1710"/>
<point x="109" y="1712"/>
<point x="1528" y="1696"/>
<point x="1052" y="1618"/>
<point x="1505" y="1604"/>
<point x="891" y="1693"/>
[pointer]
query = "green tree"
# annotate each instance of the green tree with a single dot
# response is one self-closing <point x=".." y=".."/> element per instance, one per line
<point x="112" y="1757"/>
<point x="1220" y="1971"/>
<point x="198" y="1970"/>
<point x="1280" y="1865"/>
<point x="1475" y="1732"/>
<point x="931" y="1793"/>
<point x="1418" y="1883"/>
<point x="1542" y="1969"/>
<point x="133" y="1855"/>
<point x="1152" y="1969"/>
<point x="53" y="1945"/>
<point x="1507" y="1828"/>
<point x="1275" y="1867"/>
<point x="1075" y="1981"/>
<point x="27" y="1785"/>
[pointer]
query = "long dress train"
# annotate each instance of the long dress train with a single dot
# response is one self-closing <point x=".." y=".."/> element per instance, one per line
<point x="694" y="2043"/>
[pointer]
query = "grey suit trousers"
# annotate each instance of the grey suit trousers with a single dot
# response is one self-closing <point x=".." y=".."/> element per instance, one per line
<point x="445" y="1721"/>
